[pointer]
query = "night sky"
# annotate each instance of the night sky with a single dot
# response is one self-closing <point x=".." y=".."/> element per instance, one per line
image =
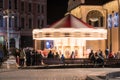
<point x="56" y="10"/>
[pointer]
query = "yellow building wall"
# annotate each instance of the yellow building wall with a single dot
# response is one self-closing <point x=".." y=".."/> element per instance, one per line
<point x="82" y="11"/>
<point x="113" y="7"/>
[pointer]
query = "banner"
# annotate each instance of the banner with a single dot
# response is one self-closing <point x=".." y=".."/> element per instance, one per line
<point x="115" y="19"/>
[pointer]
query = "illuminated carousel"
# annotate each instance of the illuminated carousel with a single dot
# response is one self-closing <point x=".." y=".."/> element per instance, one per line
<point x="69" y="34"/>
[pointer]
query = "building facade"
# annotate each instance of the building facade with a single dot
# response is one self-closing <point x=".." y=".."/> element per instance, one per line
<point x="27" y="15"/>
<point x="96" y="13"/>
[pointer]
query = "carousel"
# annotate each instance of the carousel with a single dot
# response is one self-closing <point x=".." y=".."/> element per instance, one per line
<point x="69" y="35"/>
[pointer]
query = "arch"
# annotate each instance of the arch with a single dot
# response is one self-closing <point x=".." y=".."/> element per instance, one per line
<point x="95" y="18"/>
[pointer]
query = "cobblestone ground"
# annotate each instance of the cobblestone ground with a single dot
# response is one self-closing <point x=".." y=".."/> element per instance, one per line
<point x="53" y="74"/>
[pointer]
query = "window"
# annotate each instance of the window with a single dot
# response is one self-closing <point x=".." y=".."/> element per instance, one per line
<point x="15" y="20"/>
<point x="1" y="3"/>
<point x="101" y="21"/>
<point x="29" y="7"/>
<point x="42" y="23"/>
<point x="10" y="4"/>
<point x="15" y="5"/>
<point x="22" y="23"/>
<point x="1" y="21"/>
<point x="38" y="8"/>
<point x="30" y="23"/>
<point x="10" y="21"/>
<point x="42" y="7"/>
<point x="38" y="23"/>
<point x="22" y="6"/>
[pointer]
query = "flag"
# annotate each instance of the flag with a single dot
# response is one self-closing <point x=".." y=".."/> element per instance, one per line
<point x="109" y="21"/>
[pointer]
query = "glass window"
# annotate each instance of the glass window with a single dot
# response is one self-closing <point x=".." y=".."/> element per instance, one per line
<point x="38" y="8"/>
<point x="29" y="7"/>
<point x="42" y="7"/>
<point x="1" y="21"/>
<point x="10" y="21"/>
<point x="42" y="23"/>
<point x="10" y="4"/>
<point x="15" y="20"/>
<point x="15" y="1"/>
<point x="1" y="3"/>
<point x="2" y="40"/>
<point x="30" y="23"/>
<point x="101" y="21"/>
<point x="22" y="6"/>
<point x="39" y="23"/>
<point x="22" y="23"/>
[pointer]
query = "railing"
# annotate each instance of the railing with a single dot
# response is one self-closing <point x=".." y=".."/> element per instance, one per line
<point x="81" y="61"/>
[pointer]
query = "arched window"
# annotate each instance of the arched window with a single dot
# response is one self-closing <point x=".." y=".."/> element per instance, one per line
<point x="95" y="18"/>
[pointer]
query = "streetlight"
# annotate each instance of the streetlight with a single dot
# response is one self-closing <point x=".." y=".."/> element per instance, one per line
<point x="7" y="14"/>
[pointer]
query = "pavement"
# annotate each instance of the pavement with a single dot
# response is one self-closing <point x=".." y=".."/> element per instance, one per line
<point x="51" y="72"/>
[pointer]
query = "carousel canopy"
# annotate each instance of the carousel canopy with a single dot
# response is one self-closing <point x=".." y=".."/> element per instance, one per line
<point x="70" y="27"/>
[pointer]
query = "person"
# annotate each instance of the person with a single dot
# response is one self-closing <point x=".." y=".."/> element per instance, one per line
<point x="111" y="56"/>
<point x="91" y="56"/>
<point x="39" y="58"/>
<point x="57" y="56"/>
<point x="22" y="58"/>
<point x="50" y="55"/>
<point x="1" y="57"/>
<point x="17" y="56"/>
<point x="100" y="58"/>
<point x="106" y="52"/>
<point x="118" y="55"/>
<point x="72" y="55"/>
<point x="28" y="57"/>
<point x="63" y="59"/>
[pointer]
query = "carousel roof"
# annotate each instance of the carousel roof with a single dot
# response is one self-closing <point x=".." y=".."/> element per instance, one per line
<point x="70" y="27"/>
<point x="70" y="21"/>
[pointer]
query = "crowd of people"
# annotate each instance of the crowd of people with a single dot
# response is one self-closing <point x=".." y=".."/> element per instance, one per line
<point x="30" y="57"/>
<point x="98" y="57"/>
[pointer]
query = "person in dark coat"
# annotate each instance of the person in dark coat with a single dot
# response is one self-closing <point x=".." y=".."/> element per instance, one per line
<point x="91" y="56"/>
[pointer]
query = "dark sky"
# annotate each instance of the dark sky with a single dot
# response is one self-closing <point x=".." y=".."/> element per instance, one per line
<point x="56" y="10"/>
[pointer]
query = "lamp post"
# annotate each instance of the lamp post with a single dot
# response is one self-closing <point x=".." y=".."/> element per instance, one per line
<point x="7" y="15"/>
